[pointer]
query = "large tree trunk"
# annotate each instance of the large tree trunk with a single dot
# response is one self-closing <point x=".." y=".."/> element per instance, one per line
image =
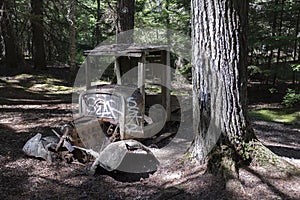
<point x="219" y="72"/>
<point x="219" y="58"/>
<point x="39" y="58"/>
<point x="219" y="63"/>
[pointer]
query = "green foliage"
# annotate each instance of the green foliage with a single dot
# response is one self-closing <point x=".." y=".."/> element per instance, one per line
<point x="186" y="70"/>
<point x="291" y="98"/>
<point x="253" y="70"/>
<point x="282" y="71"/>
<point x="295" y="67"/>
<point x="273" y="90"/>
<point x="171" y="14"/>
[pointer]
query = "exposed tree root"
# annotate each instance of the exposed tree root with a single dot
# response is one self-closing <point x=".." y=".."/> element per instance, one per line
<point x="222" y="162"/>
<point x="225" y="161"/>
<point x="262" y="156"/>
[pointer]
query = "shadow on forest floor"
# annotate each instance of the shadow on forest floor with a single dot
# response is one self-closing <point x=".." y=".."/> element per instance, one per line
<point x="285" y="151"/>
<point x="278" y="135"/>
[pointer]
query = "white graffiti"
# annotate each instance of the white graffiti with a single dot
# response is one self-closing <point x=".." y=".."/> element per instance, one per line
<point x="102" y="108"/>
<point x="133" y="116"/>
<point x="109" y="109"/>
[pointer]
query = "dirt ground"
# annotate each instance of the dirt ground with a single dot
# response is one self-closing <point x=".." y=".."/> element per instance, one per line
<point x="24" y="113"/>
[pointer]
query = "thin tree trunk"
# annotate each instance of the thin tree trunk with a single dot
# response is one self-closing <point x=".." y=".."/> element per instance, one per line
<point x="299" y="52"/>
<point x="1" y="37"/>
<point x="125" y="22"/>
<point x="39" y="56"/>
<point x="168" y="22"/>
<point x="98" y="27"/>
<point x="1" y="47"/>
<point x="125" y="26"/>
<point x="9" y="37"/>
<point x="274" y="24"/>
<point x="279" y="49"/>
<point x="295" y="45"/>
<point x="71" y="19"/>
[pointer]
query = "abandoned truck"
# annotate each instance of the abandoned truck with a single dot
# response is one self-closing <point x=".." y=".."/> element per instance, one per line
<point x="113" y="118"/>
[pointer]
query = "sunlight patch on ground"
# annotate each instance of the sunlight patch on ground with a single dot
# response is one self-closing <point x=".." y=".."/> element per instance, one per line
<point x="36" y="84"/>
<point x="23" y="76"/>
<point x="277" y="115"/>
<point x="172" y="176"/>
<point x="50" y="89"/>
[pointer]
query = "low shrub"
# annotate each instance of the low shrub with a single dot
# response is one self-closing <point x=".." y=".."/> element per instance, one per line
<point x="291" y="98"/>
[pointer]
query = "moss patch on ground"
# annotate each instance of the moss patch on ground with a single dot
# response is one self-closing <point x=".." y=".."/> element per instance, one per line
<point x="280" y="115"/>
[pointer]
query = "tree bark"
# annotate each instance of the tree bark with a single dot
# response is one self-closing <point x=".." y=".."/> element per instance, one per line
<point x="219" y="72"/>
<point x="39" y="56"/>
<point x="221" y="124"/>
<point x="219" y="58"/>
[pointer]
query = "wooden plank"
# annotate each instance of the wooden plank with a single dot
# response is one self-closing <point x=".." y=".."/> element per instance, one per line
<point x="166" y="81"/>
<point x="88" y="73"/>
<point x="141" y="81"/>
<point x="118" y="71"/>
<point x="122" y="121"/>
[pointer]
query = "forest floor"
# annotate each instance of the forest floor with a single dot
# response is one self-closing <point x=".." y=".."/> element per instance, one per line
<point x="28" y="106"/>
